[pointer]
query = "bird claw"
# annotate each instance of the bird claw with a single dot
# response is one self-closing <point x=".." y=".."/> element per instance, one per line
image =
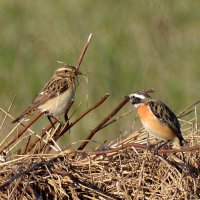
<point x="155" y="153"/>
<point x="62" y="124"/>
<point x="150" y="147"/>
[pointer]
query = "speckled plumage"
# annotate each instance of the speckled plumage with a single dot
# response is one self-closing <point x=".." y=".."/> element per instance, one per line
<point x="61" y="87"/>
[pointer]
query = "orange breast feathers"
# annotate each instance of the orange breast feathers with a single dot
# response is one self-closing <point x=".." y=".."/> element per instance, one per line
<point x="153" y="125"/>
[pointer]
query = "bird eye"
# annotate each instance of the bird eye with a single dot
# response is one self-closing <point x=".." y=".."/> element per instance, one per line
<point x="137" y="100"/>
<point x="66" y="71"/>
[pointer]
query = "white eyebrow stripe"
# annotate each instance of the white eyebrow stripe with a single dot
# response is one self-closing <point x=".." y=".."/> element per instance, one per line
<point x="140" y="96"/>
<point x="61" y="69"/>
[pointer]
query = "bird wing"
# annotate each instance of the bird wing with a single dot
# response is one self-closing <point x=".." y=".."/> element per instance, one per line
<point x="166" y="116"/>
<point x="52" y="89"/>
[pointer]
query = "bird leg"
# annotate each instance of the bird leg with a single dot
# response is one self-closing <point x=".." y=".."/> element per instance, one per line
<point x="151" y="146"/>
<point x="50" y="116"/>
<point x="159" y="147"/>
<point x="61" y="123"/>
<point x="67" y="120"/>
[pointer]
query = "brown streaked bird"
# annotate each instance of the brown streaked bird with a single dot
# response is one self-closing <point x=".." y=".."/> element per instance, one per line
<point x="157" y="119"/>
<point x="56" y="96"/>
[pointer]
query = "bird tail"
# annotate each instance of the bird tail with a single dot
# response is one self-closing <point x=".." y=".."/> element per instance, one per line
<point x="183" y="142"/>
<point x="18" y="118"/>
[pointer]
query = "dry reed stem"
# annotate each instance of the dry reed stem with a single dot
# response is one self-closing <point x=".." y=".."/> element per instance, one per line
<point x="103" y="122"/>
<point x="32" y="145"/>
<point x="122" y="174"/>
<point x="20" y="133"/>
<point x="6" y="114"/>
<point x="83" y="51"/>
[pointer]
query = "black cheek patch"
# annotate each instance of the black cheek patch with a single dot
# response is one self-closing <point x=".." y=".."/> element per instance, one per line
<point x="136" y="100"/>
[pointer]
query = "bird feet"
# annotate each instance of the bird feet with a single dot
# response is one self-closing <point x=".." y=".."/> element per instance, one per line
<point x="50" y="117"/>
<point x="159" y="146"/>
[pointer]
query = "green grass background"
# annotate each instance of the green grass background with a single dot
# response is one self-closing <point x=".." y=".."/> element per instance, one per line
<point x="136" y="45"/>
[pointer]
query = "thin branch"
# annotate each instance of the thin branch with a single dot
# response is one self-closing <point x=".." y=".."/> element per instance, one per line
<point x="105" y="120"/>
<point x="6" y="115"/>
<point x="182" y="113"/>
<point x="129" y="145"/>
<point x="83" y="51"/>
<point x="21" y="132"/>
<point x="150" y="90"/>
<point x="117" y="118"/>
<point x="35" y="166"/>
<point x="32" y="145"/>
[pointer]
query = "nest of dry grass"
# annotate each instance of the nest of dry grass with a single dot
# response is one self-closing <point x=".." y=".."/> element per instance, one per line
<point x="121" y="170"/>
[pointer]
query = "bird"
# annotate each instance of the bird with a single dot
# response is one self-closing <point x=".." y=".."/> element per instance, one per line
<point x="56" y="96"/>
<point x="158" y="119"/>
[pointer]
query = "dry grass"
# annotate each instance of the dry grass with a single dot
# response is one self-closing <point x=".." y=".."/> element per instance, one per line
<point x="124" y="169"/>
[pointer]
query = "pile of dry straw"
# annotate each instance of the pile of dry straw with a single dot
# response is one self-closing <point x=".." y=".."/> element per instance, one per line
<point x="125" y="169"/>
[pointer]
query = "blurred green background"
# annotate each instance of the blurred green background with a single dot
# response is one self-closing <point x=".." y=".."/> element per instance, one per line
<point x="136" y="45"/>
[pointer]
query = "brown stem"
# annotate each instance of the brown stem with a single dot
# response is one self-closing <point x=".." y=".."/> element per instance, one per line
<point x="21" y="132"/>
<point x="32" y="145"/>
<point x="128" y="145"/>
<point x="106" y="119"/>
<point x="181" y="114"/>
<point x="150" y="90"/>
<point x="83" y="51"/>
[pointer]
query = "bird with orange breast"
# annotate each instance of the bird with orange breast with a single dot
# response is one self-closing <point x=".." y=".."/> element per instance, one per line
<point x="157" y="119"/>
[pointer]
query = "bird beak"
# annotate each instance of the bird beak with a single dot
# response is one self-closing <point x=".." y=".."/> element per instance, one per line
<point x="130" y="96"/>
<point x="78" y="73"/>
<point x="126" y="97"/>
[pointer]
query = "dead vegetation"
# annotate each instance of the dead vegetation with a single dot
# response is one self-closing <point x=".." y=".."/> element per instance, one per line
<point x="123" y="169"/>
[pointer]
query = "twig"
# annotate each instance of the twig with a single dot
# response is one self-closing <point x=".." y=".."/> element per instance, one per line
<point x="35" y="166"/>
<point x="83" y="51"/>
<point x="150" y="90"/>
<point x="28" y="142"/>
<point x="6" y="115"/>
<point x="68" y="126"/>
<point x="117" y="118"/>
<point x="49" y="140"/>
<point x="129" y="145"/>
<point x="93" y="188"/>
<point x="181" y="114"/>
<point x="21" y="132"/>
<point x="106" y="119"/>
<point x="31" y="146"/>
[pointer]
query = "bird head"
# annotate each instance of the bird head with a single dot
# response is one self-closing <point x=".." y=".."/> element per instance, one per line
<point x="138" y="98"/>
<point x="67" y="71"/>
